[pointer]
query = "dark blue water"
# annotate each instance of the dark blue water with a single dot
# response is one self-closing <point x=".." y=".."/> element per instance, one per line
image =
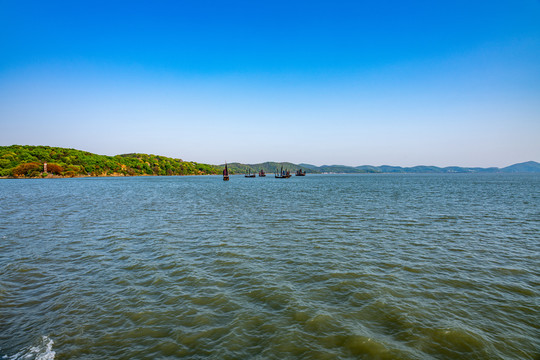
<point x="315" y="267"/>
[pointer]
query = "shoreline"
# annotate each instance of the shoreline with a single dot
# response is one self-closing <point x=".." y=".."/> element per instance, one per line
<point x="91" y="176"/>
<point x="241" y="175"/>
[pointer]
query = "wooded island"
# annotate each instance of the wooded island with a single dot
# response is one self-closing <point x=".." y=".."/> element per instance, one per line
<point x="23" y="161"/>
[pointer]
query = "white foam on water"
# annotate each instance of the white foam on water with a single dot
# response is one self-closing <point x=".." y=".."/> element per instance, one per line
<point x="42" y="351"/>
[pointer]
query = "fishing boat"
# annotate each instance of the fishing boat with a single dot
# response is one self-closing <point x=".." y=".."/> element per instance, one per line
<point x="249" y="174"/>
<point x="283" y="174"/>
<point x="299" y="172"/>
<point x="262" y="173"/>
<point x="225" y="173"/>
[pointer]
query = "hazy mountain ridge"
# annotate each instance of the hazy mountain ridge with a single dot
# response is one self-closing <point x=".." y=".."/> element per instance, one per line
<point x="525" y="167"/>
<point x="269" y="167"/>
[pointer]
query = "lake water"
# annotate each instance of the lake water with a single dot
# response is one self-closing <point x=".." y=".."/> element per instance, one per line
<point x="315" y="267"/>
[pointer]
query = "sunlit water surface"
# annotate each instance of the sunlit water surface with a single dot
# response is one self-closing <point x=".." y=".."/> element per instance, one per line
<point x="315" y="267"/>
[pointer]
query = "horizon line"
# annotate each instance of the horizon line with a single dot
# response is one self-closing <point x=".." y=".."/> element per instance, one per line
<point x="299" y="163"/>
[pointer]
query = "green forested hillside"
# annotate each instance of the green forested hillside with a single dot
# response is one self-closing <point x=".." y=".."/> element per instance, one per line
<point x="27" y="161"/>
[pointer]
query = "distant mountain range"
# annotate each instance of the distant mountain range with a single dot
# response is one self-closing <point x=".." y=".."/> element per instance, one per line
<point x="270" y="167"/>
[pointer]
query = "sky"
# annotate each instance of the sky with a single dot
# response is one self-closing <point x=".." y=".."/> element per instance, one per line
<point x="453" y="83"/>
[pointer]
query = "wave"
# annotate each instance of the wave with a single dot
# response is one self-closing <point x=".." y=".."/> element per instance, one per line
<point x="42" y="351"/>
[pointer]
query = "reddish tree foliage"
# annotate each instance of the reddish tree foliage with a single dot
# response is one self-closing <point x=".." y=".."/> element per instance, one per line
<point x="30" y="169"/>
<point x="54" y="169"/>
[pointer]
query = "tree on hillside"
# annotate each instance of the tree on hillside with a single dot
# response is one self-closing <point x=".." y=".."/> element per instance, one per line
<point x="28" y="169"/>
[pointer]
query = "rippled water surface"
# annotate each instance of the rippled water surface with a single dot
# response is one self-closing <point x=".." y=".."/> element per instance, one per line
<point x="315" y="267"/>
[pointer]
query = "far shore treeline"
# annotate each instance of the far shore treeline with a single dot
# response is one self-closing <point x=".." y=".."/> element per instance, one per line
<point x="24" y="161"/>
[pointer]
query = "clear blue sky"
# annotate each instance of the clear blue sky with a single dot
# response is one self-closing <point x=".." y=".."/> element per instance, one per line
<point x="322" y="82"/>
